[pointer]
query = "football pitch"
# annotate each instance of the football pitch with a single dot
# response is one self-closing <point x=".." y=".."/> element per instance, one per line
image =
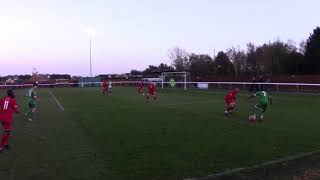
<point x="95" y="136"/>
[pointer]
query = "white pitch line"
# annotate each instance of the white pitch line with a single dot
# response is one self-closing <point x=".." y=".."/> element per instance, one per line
<point x="265" y="164"/>
<point x="57" y="101"/>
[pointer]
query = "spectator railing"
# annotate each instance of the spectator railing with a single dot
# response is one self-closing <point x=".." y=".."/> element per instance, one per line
<point x="272" y="87"/>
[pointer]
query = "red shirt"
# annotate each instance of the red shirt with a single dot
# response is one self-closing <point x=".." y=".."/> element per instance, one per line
<point x="105" y="84"/>
<point x="231" y="96"/>
<point x="8" y="105"/>
<point x="140" y="84"/>
<point x="151" y="87"/>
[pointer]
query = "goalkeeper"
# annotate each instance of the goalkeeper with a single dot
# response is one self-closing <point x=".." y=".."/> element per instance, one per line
<point x="172" y="83"/>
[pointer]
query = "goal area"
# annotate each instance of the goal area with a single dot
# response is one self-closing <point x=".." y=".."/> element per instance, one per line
<point x="174" y="79"/>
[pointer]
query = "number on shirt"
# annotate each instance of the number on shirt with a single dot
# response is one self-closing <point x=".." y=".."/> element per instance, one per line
<point x="264" y="93"/>
<point x="6" y="105"/>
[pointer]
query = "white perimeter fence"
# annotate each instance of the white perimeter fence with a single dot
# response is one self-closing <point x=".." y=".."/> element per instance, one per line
<point x="272" y="87"/>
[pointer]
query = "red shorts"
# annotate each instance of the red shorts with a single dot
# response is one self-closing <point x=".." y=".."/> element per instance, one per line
<point x="105" y="89"/>
<point x="230" y="103"/>
<point x="140" y="89"/>
<point x="151" y="93"/>
<point x="6" y="125"/>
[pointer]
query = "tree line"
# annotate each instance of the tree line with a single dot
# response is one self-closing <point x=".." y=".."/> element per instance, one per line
<point x="272" y="58"/>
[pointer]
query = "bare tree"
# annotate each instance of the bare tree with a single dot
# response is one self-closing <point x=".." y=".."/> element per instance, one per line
<point x="302" y="47"/>
<point x="35" y="75"/>
<point x="291" y="45"/>
<point x="179" y="58"/>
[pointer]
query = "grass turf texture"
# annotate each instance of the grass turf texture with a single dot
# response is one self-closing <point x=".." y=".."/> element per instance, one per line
<point x="184" y="135"/>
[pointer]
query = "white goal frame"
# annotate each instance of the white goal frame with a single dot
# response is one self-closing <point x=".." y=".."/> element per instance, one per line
<point x="163" y="75"/>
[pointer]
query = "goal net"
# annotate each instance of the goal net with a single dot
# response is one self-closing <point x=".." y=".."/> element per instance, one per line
<point x="174" y="80"/>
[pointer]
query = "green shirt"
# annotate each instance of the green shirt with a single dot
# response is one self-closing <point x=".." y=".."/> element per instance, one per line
<point x="31" y="95"/>
<point x="263" y="96"/>
<point x="172" y="83"/>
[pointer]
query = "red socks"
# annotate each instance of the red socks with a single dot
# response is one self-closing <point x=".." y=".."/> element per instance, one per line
<point x="5" y="139"/>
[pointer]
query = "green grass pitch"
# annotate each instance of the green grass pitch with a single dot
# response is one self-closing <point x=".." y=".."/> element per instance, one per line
<point x="121" y="137"/>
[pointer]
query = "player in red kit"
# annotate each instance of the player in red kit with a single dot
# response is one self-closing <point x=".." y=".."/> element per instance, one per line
<point x="230" y="100"/>
<point x="140" y="87"/>
<point x="152" y="91"/>
<point x="8" y="105"/>
<point x="105" y="87"/>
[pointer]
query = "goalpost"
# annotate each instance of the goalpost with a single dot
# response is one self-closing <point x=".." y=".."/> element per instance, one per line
<point x="166" y="74"/>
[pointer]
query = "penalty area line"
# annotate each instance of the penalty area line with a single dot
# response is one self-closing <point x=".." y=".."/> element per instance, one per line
<point x="257" y="166"/>
<point x="57" y="101"/>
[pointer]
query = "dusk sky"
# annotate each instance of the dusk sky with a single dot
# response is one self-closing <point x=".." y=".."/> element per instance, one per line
<point x="132" y="34"/>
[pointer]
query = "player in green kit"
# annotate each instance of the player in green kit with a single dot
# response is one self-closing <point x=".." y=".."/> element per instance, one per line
<point x="172" y="83"/>
<point x="32" y="100"/>
<point x="261" y="107"/>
